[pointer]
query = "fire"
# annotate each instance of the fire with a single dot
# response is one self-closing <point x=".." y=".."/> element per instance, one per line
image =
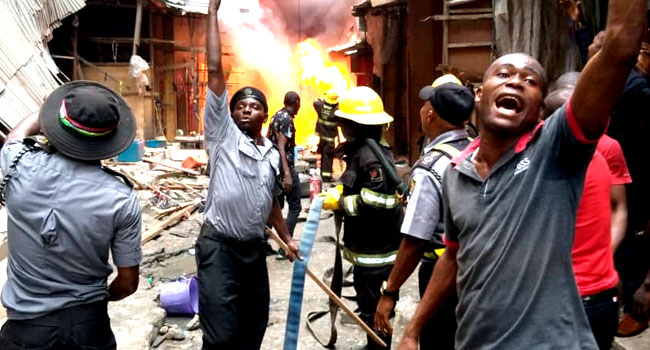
<point x="260" y="53"/>
<point x="318" y="74"/>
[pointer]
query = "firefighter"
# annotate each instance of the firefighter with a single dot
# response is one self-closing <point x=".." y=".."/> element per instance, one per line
<point x="367" y="199"/>
<point x="327" y="130"/>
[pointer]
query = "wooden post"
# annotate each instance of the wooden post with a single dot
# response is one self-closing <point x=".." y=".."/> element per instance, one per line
<point x="152" y="81"/>
<point x="138" y="25"/>
<point x="75" y="54"/>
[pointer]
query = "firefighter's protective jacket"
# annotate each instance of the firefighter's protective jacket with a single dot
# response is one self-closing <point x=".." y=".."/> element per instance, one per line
<point x="326" y="126"/>
<point x="373" y="213"/>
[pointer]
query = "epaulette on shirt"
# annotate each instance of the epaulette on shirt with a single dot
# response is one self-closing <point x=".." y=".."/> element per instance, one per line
<point x="428" y="161"/>
<point x="451" y="150"/>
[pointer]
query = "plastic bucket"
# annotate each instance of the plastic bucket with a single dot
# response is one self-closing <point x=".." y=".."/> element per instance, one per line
<point x="180" y="297"/>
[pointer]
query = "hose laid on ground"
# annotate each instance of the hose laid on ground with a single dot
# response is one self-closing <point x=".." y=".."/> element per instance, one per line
<point x="299" y="271"/>
<point x="298" y="282"/>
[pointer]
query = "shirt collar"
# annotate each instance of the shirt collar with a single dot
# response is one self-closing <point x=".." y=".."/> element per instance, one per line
<point x="520" y="145"/>
<point x="264" y="148"/>
<point x="447" y="136"/>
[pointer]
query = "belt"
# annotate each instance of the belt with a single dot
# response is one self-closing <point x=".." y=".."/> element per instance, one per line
<point x="435" y="254"/>
<point x="208" y="231"/>
<point x="299" y="271"/>
<point x="369" y="260"/>
<point x="611" y="293"/>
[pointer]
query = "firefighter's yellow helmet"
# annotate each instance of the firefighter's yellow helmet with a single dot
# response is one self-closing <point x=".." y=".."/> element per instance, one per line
<point x="331" y="97"/>
<point x="362" y="105"/>
<point x="447" y="78"/>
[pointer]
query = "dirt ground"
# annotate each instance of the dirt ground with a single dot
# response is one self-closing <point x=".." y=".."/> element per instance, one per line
<point x="171" y="256"/>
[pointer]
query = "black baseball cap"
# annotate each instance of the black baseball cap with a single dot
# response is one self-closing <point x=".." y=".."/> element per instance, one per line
<point x="453" y="102"/>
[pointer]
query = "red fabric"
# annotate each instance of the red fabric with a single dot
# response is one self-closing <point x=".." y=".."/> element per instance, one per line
<point x="466" y="152"/>
<point x="573" y="125"/>
<point x="448" y="243"/>
<point x="523" y="141"/>
<point x="611" y="150"/>
<point x="593" y="261"/>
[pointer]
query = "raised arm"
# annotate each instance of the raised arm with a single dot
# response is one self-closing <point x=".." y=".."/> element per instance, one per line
<point x="216" y="78"/>
<point x="602" y="80"/>
<point x="29" y="126"/>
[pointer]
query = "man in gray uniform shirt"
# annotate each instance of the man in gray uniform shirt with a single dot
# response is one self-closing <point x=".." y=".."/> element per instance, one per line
<point x="447" y="107"/>
<point x="65" y="214"/>
<point x="510" y="201"/>
<point x="232" y="274"/>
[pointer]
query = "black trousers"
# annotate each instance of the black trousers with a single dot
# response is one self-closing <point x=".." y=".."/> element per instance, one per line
<point x="233" y="291"/>
<point x="632" y="265"/>
<point x="367" y="282"/>
<point x="293" y="199"/>
<point x="82" y="327"/>
<point x="326" y="150"/>
<point x="602" y="312"/>
<point x="439" y="333"/>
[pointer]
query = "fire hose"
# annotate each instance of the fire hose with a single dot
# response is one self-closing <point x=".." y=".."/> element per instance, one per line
<point x="298" y="281"/>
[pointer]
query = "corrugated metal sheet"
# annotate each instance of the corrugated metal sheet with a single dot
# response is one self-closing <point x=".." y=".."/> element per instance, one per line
<point x="193" y="6"/>
<point x="27" y="71"/>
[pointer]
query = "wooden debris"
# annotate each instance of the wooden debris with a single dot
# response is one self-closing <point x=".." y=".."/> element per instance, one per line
<point x="188" y="171"/>
<point x="168" y="175"/>
<point x="184" y="186"/>
<point x="154" y="231"/>
<point x="163" y="212"/>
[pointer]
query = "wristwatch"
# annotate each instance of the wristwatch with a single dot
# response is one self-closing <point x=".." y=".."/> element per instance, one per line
<point x="385" y="292"/>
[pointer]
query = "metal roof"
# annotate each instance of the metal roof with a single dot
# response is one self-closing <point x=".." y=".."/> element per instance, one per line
<point x="27" y="71"/>
<point x="193" y="6"/>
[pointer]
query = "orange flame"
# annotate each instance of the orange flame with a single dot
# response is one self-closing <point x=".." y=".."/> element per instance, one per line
<point x="259" y="53"/>
<point x="319" y="74"/>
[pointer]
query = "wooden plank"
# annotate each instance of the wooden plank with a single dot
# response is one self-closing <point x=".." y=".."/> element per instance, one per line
<point x="155" y="231"/>
<point x="468" y="11"/>
<point x="465" y="45"/>
<point x="463" y="17"/>
<point x="458" y="2"/>
<point x="188" y="171"/>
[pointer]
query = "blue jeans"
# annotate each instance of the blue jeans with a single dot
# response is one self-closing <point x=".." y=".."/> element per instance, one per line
<point x="602" y="312"/>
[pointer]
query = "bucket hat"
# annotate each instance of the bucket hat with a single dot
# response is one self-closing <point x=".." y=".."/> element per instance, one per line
<point x="86" y="120"/>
